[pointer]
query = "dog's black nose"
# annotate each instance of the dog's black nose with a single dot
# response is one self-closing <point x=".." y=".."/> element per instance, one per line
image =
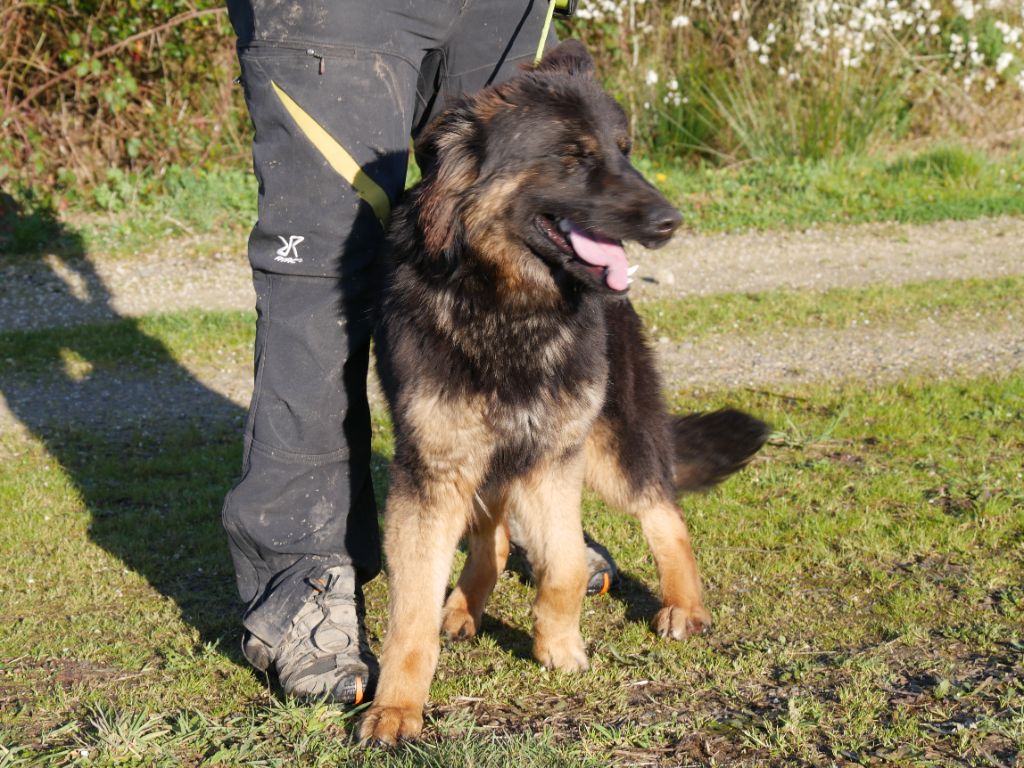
<point x="663" y="221"/>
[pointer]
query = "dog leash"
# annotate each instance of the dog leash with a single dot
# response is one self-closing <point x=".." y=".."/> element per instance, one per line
<point x="565" y="9"/>
<point x="544" y="31"/>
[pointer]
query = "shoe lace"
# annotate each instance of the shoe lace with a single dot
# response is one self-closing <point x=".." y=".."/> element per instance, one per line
<point x="343" y="613"/>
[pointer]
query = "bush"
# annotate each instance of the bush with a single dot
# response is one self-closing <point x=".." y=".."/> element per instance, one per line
<point x="806" y="78"/>
<point x="95" y="91"/>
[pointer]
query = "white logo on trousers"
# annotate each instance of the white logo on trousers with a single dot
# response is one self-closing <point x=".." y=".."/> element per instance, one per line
<point x="287" y="252"/>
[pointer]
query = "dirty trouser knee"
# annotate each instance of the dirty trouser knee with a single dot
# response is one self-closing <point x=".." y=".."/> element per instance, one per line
<point x="365" y="75"/>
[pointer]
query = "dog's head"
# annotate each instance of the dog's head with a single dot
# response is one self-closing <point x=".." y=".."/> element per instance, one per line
<point x="535" y="172"/>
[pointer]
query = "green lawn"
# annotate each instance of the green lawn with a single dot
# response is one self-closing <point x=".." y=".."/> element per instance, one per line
<point x="866" y="575"/>
<point x="211" y="210"/>
<point x="933" y="184"/>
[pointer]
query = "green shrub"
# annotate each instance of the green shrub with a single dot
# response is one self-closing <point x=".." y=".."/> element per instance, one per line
<point x="95" y="90"/>
<point x="99" y="97"/>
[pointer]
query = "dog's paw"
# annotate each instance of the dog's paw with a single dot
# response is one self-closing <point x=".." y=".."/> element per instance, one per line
<point x="680" y="623"/>
<point x="386" y="725"/>
<point x="568" y="655"/>
<point x="458" y="624"/>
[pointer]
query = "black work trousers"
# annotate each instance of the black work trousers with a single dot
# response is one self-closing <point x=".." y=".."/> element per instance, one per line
<point x="332" y="85"/>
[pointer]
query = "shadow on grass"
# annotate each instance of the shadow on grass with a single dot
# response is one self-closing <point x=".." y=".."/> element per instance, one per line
<point x="33" y="230"/>
<point x="152" y="475"/>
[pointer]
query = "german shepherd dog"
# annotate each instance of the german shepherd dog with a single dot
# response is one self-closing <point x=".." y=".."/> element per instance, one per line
<point x="517" y="371"/>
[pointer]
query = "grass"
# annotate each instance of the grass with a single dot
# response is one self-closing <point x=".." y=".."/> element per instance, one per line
<point x="865" y="576"/>
<point x="145" y="344"/>
<point x="996" y="300"/>
<point x="938" y="183"/>
<point x="865" y="573"/>
<point x="213" y="210"/>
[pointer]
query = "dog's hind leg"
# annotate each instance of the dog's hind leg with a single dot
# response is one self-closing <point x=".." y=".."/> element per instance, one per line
<point x="683" y="612"/>
<point x="643" y="492"/>
<point x="488" y="550"/>
<point x="422" y="530"/>
<point x="547" y="507"/>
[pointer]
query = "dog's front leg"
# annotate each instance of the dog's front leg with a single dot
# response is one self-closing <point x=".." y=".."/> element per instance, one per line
<point x="547" y="506"/>
<point x="422" y="529"/>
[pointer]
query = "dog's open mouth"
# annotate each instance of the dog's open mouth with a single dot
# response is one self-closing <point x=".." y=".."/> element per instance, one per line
<point x="604" y="258"/>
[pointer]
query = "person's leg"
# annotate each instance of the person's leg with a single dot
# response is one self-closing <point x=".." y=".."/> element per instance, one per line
<point x="326" y="94"/>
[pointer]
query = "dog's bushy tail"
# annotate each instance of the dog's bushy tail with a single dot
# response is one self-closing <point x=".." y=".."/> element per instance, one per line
<point x="711" y="446"/>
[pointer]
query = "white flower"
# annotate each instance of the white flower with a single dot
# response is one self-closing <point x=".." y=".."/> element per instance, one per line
<point x="680" y="21"/>
<point x="1003" y="62"/>
<point x="735" y="15"/>
<point x="752" y="45"/>
<point x="673" y="84"/>
<point x="763" y="58"/>
<point x="990" y="84"/>
<point x="652" y="77"/>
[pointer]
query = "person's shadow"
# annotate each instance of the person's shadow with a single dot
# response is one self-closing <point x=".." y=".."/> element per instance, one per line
<point x="150" y="448"/>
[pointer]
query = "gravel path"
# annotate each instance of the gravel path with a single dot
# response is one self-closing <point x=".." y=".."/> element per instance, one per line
<point x="938" y="349"/>
<point x="55" y="293"/>
<point x="834" y="257"/>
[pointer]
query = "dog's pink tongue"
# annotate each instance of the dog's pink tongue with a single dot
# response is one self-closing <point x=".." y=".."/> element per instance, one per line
<point x="602" y="253"/>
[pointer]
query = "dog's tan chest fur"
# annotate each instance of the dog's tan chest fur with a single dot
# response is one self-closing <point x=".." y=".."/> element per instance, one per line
<point x="460" y="434"/>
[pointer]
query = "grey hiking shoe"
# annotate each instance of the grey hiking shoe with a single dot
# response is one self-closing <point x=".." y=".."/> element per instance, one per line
<point x="324" y="655"/>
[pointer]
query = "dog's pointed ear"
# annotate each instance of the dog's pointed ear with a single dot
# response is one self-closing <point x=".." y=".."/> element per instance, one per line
<point x="449" y="165"/>
<point x="569" y="57"/>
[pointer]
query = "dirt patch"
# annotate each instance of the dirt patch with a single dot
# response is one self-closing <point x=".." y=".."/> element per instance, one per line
<point x="875" y="354"/>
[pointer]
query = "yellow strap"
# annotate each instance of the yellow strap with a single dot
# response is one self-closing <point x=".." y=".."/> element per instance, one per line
<point x="339" y="159"/>
<point x="544" y="32"/>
